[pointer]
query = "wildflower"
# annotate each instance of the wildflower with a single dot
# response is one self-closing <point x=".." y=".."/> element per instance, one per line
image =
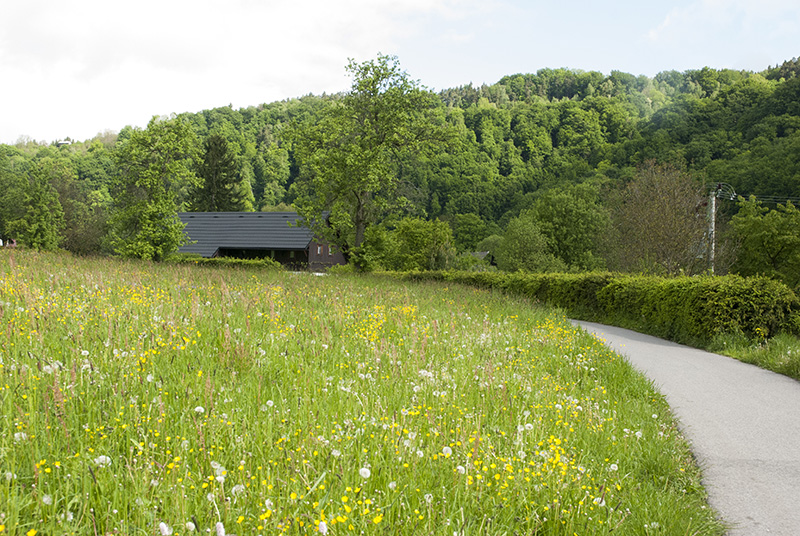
<point x="461" y="469"/>
<point x="220" y="529"/>
<point x="270" y="403"/>
<point x="528" y="426"/>
<point x="613" y="467"/>
<point x="323" y="527"/>
<point x="392" y="484"/>
<point x="84" y="353"/>
<point x="599" y="501"/>
<point x="336" y="453"/>
<point x="164" y="529"/>
<point x="199" y="409"/>
<point x="428" y="498"/>
<point x="47" y="499"/>
<point x="190" y="526"/>
<point x="447" y="452"/>
<point x="237" y="489"/>
<point x="102" y="461"/>
<point x="364" y="472"/>
<point x="377" y="519"/>
<point x="20" y="436"/>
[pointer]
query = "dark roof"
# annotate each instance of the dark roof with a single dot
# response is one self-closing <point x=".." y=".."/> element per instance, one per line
<point x="242" y="230"/>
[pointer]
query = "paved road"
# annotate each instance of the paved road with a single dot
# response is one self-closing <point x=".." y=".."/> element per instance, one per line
<point x="743" y="424"/>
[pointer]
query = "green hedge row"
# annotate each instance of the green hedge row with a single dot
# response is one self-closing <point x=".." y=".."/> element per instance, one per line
<point x="228" y="262"/>
<point x="690" y="310"/>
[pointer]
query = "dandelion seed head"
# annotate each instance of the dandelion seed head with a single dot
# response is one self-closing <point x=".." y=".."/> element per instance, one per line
<point x="364" y="472"/>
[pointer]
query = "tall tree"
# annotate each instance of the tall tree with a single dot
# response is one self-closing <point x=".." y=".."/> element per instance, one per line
<point x="350" y="158"/>
<point x="217" y="171"/>
<point x="659" y="219"/>
<point x="42" y="217"/>
<point x="156" y="170"/>
<point x="769" y="240"/>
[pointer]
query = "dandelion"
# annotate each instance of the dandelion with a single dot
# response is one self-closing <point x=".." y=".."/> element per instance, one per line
<point x="237" y="489"/>
<point x="447" y="451"/>
<point x="199" y="409"/>
<point x="613" y="467"/>
<point x="428" y="498"/>
<point x="599" y="501"/>
<point x="323" y="527"/>
<point x="528" y="426"/>
<point x="190" y="526"/>
<point x="336" y="453"/>
<point x="461" y="469"/>
<point x="220" y="529"/>
<point x="270" y="403"/>
<point x="164" y="529"/>
<point x="47" y="499"/>
<point x="102" y="461"/>
<point x="84" y="353"/>
<point x="20" y="436"/>
<point x="364" y="472"/>
<point x="392" y="484"/>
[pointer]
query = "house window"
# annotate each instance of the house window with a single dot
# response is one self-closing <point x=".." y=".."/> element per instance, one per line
<point x="319" y="249"/>
<point x="330" y="251"/>
<point x="291" y="254"/>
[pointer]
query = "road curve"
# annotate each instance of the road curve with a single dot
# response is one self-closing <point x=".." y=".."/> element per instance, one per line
<point x="743" y="424"/>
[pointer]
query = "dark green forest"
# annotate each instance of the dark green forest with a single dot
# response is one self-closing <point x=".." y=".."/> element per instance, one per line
<point x="560" y="170"/>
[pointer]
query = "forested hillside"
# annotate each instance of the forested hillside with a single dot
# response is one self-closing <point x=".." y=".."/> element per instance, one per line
<point x="560" y="149"/>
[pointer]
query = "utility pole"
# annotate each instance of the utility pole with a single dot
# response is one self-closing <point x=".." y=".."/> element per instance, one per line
<point x="723" y="190"/>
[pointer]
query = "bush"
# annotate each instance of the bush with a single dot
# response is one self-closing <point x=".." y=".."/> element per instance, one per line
<point x="193" y="258"/>
<point x="691" y="310"/>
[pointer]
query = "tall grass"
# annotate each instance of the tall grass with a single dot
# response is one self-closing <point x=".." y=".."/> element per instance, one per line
<point x="147" y="399"/>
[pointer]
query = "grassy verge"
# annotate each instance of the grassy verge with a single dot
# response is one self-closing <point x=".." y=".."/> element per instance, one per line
<point x="779" y="354"/>
<point x="146" y="399"/>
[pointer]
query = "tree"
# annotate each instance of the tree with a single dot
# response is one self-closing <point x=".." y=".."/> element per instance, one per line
<point x="42" y="217"/>
<point x="350" y="157"/>
<point x="769" y="241"/>
<point x="217" y="191"/>
<point x="659" y="222"/>
<point x="155" y="167"/>
<point x="524" y="247"/>
<point x="572" y="221"/>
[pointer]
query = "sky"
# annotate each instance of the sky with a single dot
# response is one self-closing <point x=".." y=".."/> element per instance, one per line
<point x="77" y="68"/>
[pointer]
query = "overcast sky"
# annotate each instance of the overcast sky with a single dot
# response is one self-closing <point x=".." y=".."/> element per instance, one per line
<point x="74" y="68"/>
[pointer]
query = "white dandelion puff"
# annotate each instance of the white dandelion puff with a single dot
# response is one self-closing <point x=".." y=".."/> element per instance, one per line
<point x="102" y="461"/>
<point x="364" y="472"/>
<point x="220" y="529"/>
<point x="199" y="409"/>
<point x="47" y="499"/>
<point x="447" y="451"/>
<point x="190" y="526"/>
<point x="164" y="529"/>
<point x="323" y="527"/>
<point x="461" y="469"/>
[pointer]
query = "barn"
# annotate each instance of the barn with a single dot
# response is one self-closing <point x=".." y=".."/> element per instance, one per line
<point x="255" y="235"/>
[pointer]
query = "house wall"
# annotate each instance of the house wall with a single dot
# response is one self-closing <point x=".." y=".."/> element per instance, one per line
<point x="322" y="256"/>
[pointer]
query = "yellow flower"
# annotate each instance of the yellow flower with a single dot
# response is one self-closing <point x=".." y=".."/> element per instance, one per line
<point x="377" y="519"/>
<point x="31" y="532"/>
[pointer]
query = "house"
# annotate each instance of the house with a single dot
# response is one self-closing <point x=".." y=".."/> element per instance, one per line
<point x="255" y="235"/>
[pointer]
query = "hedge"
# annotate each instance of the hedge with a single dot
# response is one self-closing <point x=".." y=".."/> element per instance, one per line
<point x="690" y="310"/>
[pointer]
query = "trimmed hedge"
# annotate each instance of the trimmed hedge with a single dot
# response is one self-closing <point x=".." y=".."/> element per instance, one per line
<point x="690" y="310"/>
<point x="228" y="262"/>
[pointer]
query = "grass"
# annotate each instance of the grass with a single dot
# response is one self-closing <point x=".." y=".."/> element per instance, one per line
<point x="779" y="354"/>
<point x="147" y="399"/>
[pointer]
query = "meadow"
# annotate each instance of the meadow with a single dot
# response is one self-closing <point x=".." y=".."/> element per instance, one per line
<point x="138" y="398"/>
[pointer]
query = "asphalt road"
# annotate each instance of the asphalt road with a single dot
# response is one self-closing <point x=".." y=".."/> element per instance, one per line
<point x="743" y="424"/>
